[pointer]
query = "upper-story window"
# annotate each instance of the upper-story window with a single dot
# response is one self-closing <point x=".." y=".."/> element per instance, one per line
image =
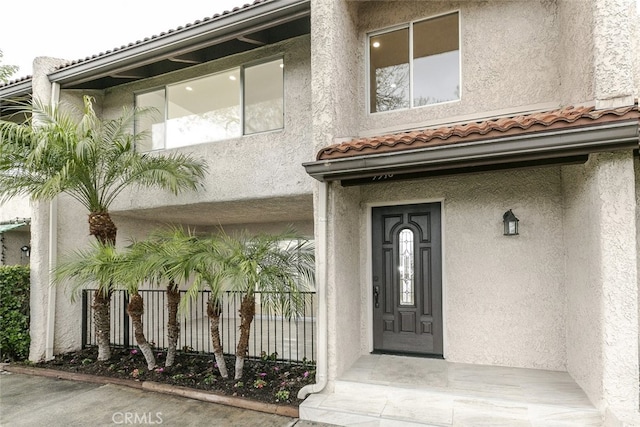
<point x="229" y="104"/>
<point x="415" y="64"/>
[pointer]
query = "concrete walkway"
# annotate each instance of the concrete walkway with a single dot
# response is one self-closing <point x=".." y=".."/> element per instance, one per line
<point x="27" y="400"/>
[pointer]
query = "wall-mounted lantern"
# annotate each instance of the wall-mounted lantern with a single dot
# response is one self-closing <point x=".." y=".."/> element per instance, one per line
<point x="510" y="223"/>
<point x="26" y="250"/>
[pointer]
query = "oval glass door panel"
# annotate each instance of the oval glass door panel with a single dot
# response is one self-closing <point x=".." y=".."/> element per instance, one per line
<point x="405" y="267"/>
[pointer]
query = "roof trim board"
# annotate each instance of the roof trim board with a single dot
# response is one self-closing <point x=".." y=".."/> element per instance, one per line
<point x="11" y="226"/>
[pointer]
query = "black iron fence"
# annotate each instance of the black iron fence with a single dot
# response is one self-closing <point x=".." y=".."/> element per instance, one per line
<point x="272" y="334"/>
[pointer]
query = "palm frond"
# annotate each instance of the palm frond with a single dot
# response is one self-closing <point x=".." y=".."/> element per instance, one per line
<point x="100" y="264"/>
<point x="72" y="150"/>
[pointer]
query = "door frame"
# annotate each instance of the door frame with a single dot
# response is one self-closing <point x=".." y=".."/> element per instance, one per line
<point x="369" y="265"/>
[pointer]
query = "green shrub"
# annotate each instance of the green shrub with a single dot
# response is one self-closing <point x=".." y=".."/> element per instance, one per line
<point x="14" y="312"/>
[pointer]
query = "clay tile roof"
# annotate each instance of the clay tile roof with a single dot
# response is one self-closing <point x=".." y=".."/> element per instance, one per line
<point x="15" y="81"/>
<point x="147" y="39"/>
<point x="476" y="131"/>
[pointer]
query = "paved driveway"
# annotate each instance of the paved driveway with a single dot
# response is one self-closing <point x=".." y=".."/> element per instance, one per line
<point x="27" y="400"/>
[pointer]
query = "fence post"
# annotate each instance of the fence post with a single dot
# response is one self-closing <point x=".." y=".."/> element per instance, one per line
<point x="84" y="318"/>
<point x="125" y="319"/>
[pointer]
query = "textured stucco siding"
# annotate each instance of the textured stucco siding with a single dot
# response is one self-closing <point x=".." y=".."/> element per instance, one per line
<point x="576" y="60"/>
<point x="255" y="166"/>
<point x="504" y="298"/>
<point x="602" y="279"/>
<point x="40" y="235"/>
<point x="635" y="45"/>
<point x="336" y="61"/>
<point x="18" y="207"/>
<point x="636" y="168"/>
<point x="509" y="50"/>
<point x="344" y="281"/>
<point x="614" y="82"/>
<point x="584" y="331"/>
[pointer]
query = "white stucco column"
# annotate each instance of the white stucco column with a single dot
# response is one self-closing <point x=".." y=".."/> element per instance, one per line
<point x="39" y="271"/>
<point x="616" y="203"/>
<point x="39" y="260"/>
<point x="613" y="42"/>
<point x="335" y="48"/>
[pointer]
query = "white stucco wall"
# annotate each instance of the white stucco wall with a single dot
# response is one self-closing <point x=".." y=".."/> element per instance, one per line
<point x="635" y="45"/>
<point x="636" y="166"/>
<point x="258" y="166"/>
<point x="602" y="279"/>
<point x="584" y="332"/>
<point x="336" y="97"/>
<point x="575" y="25"/>
<point x="39" y="263"/>
<point x="18" y="207"/>
<point x="614" y="81"/>
<point x="264" y="170"/>
<point x="504" y="298"/>
<point x="345" y="305"/>
<point x="510" y="59"/>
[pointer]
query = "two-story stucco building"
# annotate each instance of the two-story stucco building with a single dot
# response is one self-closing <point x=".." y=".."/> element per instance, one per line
<point x="469" y="171"/>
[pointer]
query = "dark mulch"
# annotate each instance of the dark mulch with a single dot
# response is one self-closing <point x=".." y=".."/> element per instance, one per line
<point x="265" y="379"/>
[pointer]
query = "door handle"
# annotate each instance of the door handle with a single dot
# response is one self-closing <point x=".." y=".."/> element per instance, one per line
<point x="376" y="296"/>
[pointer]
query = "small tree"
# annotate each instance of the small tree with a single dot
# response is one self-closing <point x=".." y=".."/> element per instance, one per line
<point x="206" y="261"/>
<point x="280" y="266"/>
<point x="164" y="258"/>
<point x="93" y="161"/>
<point x="102" y="263"/>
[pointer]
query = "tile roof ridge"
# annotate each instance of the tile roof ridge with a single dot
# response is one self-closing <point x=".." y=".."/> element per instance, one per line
<point x="523" y="122"/>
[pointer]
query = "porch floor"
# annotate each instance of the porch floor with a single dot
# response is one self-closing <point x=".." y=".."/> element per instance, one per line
<point x="385" y="390"/>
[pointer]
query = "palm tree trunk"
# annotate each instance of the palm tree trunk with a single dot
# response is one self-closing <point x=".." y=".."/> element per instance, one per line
<point x="102" y="323"/>
<point x="102" y="227"/>
<point x="247" y="311"/>
<point x="214" y="311"/>
<point x="173" y="326"/>
<point x="135" y="309"/>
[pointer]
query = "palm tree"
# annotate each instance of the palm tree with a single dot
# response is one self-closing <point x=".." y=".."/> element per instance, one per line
<point x="280" y="266"/>
<point x="164" y="257"/>
<point x="93" y="161"/>
<point x="206" y="262"/>
<point x="102" y="263"/>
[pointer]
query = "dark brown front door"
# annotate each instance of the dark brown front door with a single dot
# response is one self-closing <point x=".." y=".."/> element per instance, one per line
<point x="407" y="279"/>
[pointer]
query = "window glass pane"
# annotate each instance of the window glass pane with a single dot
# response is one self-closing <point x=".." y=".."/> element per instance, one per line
<point x="389" y="70"/>
<point x="436" y="60"/>
<point x="204" y="110"/>
<point x="152" y="123"/>
<point x="405" y="267"/>
<point x="263" y="97"/>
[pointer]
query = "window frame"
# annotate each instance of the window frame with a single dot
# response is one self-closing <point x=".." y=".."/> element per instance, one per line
<point x="409" y="25"/>
<point x="241" y="97"/>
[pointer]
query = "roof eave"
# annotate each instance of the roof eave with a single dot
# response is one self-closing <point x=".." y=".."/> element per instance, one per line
<point x="16" y="90"/>
<point x="194" y="37"/>
<point x="511" y="149"/>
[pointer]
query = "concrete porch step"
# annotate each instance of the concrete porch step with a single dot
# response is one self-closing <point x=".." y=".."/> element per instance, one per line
<point x="404" y="392"/>
<point x="361" y="404"/>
